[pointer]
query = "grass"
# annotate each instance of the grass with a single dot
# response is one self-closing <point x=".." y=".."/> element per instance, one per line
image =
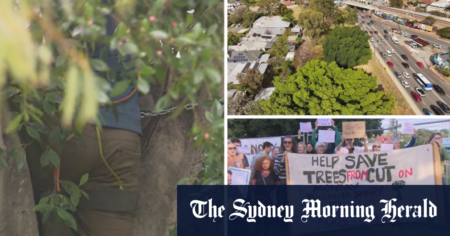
<point x="296" y="11"/>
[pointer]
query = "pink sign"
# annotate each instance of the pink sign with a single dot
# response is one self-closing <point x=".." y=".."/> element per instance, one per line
<point x="326" y="136"/>
<point x="407" y="128"/>
<point x="387" y="147"/>
<point x="305" y="127"/>
<point x="324" y="122"/>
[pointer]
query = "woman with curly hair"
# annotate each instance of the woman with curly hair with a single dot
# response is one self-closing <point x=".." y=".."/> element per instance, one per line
<point x="264" y="174"/>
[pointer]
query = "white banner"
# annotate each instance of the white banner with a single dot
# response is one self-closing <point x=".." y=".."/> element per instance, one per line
<point x="411" y="165"/>
<point x="255" y="145"/>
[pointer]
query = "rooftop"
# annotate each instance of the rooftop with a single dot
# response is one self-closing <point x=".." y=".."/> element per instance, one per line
<point x="292" y="38"/>
<point x="296" y="29"/>
<point x="247" y="46"/>
<point x="264" y="58"/>
<point x="241" y="67"/>
<point x="290" y="56"/>
<point x="264" y="94"/>
<point x="236" y="56"/>
<point x="274" y="21"/>
<point x="267" y="31"/>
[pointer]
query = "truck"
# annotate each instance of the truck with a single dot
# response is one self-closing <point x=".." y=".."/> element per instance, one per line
<point x="416" y="25"/>
<point x="395" y="40"/>
<point x="410" y="24"/>
<point x="429" y="28"/>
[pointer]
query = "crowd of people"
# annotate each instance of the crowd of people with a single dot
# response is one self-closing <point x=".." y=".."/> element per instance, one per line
<point x="268" y="166"/>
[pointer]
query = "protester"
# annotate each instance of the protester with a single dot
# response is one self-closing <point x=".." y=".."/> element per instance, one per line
<point x="288" y="146"/>
<point x="275" y="151"/>
<point x="329" y="147"/>
<point x="267" y="147"/>
<point x="350" y="148"/>
<point x="229" y="177"/>
<point x="376" y="147"/>
<point x="264" y="172"/>
<point x="310" y="148"/>
<point x="234" y="160"/>
<point x="396" y="141"/>
<point x="320" y="148"/>
<point x="437" y="138"/>
<point x="301" y="148"/>
<point x="237" y="143"/>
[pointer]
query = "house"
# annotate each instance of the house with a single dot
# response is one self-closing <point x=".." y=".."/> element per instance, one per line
<point x="292" y="39"/>
<point x="248" y="56"/>
<point x="264" y="94"/>
<point x="271" y="22"/>
<point x="264" y="58"/>
<point x="439" y="6"/>
<point x="234" y="69"/>
<point x="268" y="46"/>
<point x="277" y="31"/>
<point x="297" y="30"/>
<point x="248" y="46"/>
<point x="288" y="3"/>
<point x="231" y="6"/>
<point x="290" y="56"/>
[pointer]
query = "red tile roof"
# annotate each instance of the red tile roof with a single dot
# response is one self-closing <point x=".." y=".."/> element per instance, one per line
<point x="288" y="3"/>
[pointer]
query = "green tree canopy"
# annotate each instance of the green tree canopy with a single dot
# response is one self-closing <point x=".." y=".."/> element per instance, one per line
<point x="444" y="32"/>
<point x="249" y="17"/>
<point x="429" y="20"/>
<point x="313" y="22"/>
<point x="327" y="8"/>
<point x="268" y="6"/>
<point x="232" y="39"/>
<point x="280" y="47"/>
<point x="347" y="46"/>
<point x="234" y="19"/>
<point x="283" y="10"/>
<point x="351" y="15"/>
<point x="250" y="82"/>
<point x="321" y="88"/>
<point x="396" y="3"/>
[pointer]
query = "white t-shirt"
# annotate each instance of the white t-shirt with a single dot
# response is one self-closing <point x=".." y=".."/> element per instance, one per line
<point x="344" y="150"/>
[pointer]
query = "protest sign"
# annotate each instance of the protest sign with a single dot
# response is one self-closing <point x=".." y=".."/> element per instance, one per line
<point x="240" y="177"/>
<point x="407" y="128"/>
<point x="412" y="165"/>
<point x="387" y="147"/>
<point x="326" y="136"/>
<point x="324" y="122"/>
<point x="445" y="141"/>
<point x="255" y="145"/>
<point x="243" y="150"/>
<point x="384" y="139"/>
<point x="356" y="129"/>
<point x="305" y="127"/>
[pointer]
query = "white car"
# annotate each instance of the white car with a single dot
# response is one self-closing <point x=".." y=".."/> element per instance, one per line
<point x="392" y="50"/>
<point x="437" y="46"/>
<point x="406" y="75"/>
<point x="371" y="40"/>
<point x="405" y="84"/>
<point x="420" y="92"/>
<point x="376" y="45"/>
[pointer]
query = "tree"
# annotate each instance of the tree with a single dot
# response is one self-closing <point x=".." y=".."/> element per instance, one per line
<point x="250" y="82"/>
<point x="242" y="105"/>
<point x="313" y="23"/>
<point x="232" y="39"/>
<point x="239" y="11"/>
<point x="321" y="88"/>
<point x="429" y="20"/>
<point x="280" y="47"/>
<point x="444" y="32"/>
<point x="299" y="40"/>
<point x="283" y="10"/>
<point x="347" y="46"/>
<point x="351" y="15"/>
<point x="234" y="19"/>
<point x="268" y="5"/>
<point x="249" y="17"/>
<point x="396" y="3"/>
<point x="290" y="18"/>
<point x="327" y="8"/>
<point x="51" y="88"/>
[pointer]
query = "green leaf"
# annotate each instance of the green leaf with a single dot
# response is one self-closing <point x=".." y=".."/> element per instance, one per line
<point x="42" y="207"/>
<point x="54" y="135"/>
<point x="67" y="218"/>
<point x="128" y="48"/>
<point x="54" y="158"/>
<point x="45" y="158"/>
<point x="21" y="158"/>
<point x="14" y="123"/>
<point x="217" y="109"/>
<point x="209" y="116"/>
<point x="3" y="162"/>
<point x="161" y="71"/>
<point x="147" y="71"/>
<point x="75" y="199"/>
<point x="213" y="75"/>
<point x="44" y="200"/>
<point x="103" y="54"/>
<point x="33" y="133"/>
<point x="120" y="88"/>
<point x="46" y="216"/>
<point x="162" y="103"/>
<point x="51" y="97"/>
<point x="9" y="92"/>
<point x="84" y="194"/>
<point x="49" y="108"/>
<point x="159" y="34"/>
<point x="189" y="19"/>
<point x="143" y="86"/>
<point x="198" y="76"/>
<point x="99" y="65"/>
<point x="84" y="179"/>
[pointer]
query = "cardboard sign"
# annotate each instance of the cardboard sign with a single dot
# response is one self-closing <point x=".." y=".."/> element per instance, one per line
<point x="324" y="122"/>
<point x="356" y="129"/>
<point x="384" y="139"/>
<point x="445" y="140"/>
<point x="326" y="136"/>
<point x="387" y="147"/>
<point x="407" y="128"/>
<point x="306" y="127"/>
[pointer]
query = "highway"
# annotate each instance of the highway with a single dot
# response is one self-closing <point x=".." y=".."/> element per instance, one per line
<point x="431" y="96"/>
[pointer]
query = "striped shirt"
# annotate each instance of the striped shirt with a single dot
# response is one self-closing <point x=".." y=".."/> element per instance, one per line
<point x="279" y="167"/>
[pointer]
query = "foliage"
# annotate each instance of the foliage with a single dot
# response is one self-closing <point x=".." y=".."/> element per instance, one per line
<point x="299" y="40"/>
<point x="327" y="8"/>
<point x="250" y="82"/>
<point x="313" y="22"/>
<point x="351" y="15"/>
<point x="254" y="128"/>
<point x="280" y="47"/>
<point x="268" y="6"/>
<point x="283" y="10"/>
<point x="56" y="77"/>
<point x="396" y="3"/>
<point x="232" y="39"/>
<point x="438" y="13"/>
<point x="347" y="46"/>
<point x="235" y="19"/>
<point x="290" y="18"/>
<point x="321" y="88"/>
<point x="242" y="105"/>
<point x="429" y="20"/>
<point x="444" y="32"/>
<point x="249" y="17"/>
<point x="443" y="71"/>
<point x="232" y="86"/>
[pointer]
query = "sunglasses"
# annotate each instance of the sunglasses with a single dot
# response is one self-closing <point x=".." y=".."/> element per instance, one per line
<point x="377" y="146"/>
<point x="287" y="142"/>
<point x="232" y="148"/>
<point x="349" y="140"/>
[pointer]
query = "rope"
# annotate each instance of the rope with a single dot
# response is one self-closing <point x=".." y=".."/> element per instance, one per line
<point x="104" y="160"/>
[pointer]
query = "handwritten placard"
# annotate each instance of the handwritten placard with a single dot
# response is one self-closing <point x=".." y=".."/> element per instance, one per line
<point x="243" y="150"/>
<point x="355" y="129"/>
<point x="387" y="147"/>
<point x="445" y="140"/>
<point x="407" y="128"/>
<point x="326" y="136"/>
<point x="324" y="122"/>
<point x="306" y="127"/>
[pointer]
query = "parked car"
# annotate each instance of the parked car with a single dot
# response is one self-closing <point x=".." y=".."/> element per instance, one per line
<point x="406" y="75"/>
<point x="437" y="46"/>
<point x="443" y="106"/>
<point x="404" y="57"/>
<point x="420" y="64"/>
<point x="372" y="40"/>
<point x="398" y="74"/>
<point x="416" y="96"/>
<point x="363" y="22"/>
<point x="376" y="45"/>
<point x="386" y="37"/>
<point x="405" y="64"/>
<point x="370" y="17"/>
<point x="390" y="63"/>
<point x="385" y="31"/>
<point x="437" y="110"/>
<point x="368" y="24"/>
<point x="405" y="84"/>
<point x="376" y="32"/>
<point x="362" y="17"/>
<point x="392" y="50"/>
<point x="438" y="89"/>
<point x="371" y="32"/>
<point x="420" y="92"/>
<point x="427" y="112"/>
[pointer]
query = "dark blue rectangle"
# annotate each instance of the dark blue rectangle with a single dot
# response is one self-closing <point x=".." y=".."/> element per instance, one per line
<point x="213" y="210"/>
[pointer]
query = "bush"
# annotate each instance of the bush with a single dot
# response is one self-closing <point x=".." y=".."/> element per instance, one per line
<point x="444" y="32"/>
<point x="438" y="13"/>
<point x="232" y="86"/>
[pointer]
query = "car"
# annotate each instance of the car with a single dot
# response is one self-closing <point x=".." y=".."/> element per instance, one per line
<point x="383" y="54"/>
<point x="232" y="25"/>
<point x="420" y="64"/>
<point x="438" y="89"/>
<point x="378" y="41"/>
<point x="376" y="45"/>
<point x="376" y="32"/>
<point x="386" y="37"/>
<point x="363" y="22"/>
<point x="405" y="64"/>
<point x="437" y="110"/>
<point x="367" y="16"/>
<point x="392" y="50"/>
<point x="413" y="36"/>
<point x="443" y="106"/>
<point x="371" y="32"/>
<point x="370" y="17"/>
<point x="420" y="92"/>
<point x="362" y="17"/>
<point x="398" y="74"/>
<point x="390" y="63"/>
<point x="365" y="31"/>
<point x="385" y="31"/>
<point x="437" y="46"/>
<point x="416" y="96"/>
<point x="427" y="112"/>
<point x="404" y="57"/>
<point x="406" y="75"/>
<point x="372" y="40"/>
<point x="405" y="84"/>
<point x="368" y="24"/>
